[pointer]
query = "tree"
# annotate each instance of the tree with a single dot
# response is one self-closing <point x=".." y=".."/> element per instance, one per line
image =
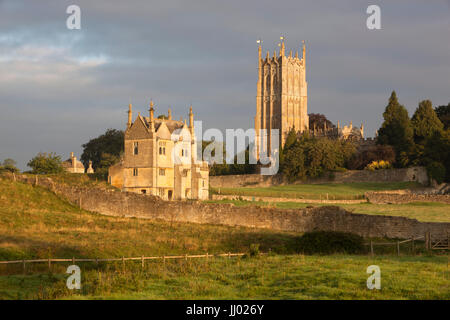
<point x="437" y="150"/>
<point x="45" y="163"/>
<point x="397" y="130"/>
<point x="374" y="153"/>
<point x="443" y="113"/>
<point x="107" y="160"/>
<point x="9" y="165"/>
<point x="425" y="122"/>
<point x="111" y="142"/>
<point x="319" y="120"/>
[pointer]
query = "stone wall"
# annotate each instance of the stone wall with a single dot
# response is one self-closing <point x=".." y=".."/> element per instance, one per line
<point x="417" y="174"/>
<point x="126" y="204"/>
<point x="404" y="197"/>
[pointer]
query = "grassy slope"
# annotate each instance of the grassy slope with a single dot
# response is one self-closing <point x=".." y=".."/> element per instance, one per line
<point x="36" y="223"/>
<point x="316" y="191"/>
<point x="422" y="211"/>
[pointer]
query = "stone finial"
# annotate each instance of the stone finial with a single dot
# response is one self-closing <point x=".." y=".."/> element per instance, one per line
<point x="71" y="155"/>
<point x="304" y="50"/>
<point x="152" y="111"/>
<point x="268" y="55"/>
<point x="130" y="115"/>
<point x="90" y="169"/>
<point x="191" y="119"/>
<point x="282" y="47"/>
<point x="169" y="114"/>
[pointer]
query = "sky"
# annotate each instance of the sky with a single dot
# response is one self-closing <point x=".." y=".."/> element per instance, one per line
<point x="59" y="88"/>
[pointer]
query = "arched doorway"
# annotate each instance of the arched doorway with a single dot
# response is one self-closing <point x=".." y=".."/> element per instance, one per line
<point x="170" y="194"/>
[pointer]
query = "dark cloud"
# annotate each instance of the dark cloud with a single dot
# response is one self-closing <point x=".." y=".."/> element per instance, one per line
<point x="60" y="87"/>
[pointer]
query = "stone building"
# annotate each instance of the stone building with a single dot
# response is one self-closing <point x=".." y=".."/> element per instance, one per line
<point x="345" y="133"/>
<point x="160" y="159"/>
<point x="281" y="96"/>
<point x="73" y="165"/>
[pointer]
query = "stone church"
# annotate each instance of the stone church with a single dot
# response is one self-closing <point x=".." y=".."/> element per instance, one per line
<point x="160" y="159"/>
<point x="282" y="100"/>
<point x="281" y="96"/>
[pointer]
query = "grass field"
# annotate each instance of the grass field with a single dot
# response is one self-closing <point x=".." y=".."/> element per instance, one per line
<point x="422" y="211"/>
<point x="341" y="191"/>
<point x="35" y="223"/>
<point x="268" y="277"/>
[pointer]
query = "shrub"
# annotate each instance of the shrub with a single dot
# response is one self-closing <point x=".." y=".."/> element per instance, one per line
<point x="436" y="171"/>
<point x="46" y="163"/>
<point x="377" y="165"/>
<point x="254" y="249"/>
<point x="328" y="242"/>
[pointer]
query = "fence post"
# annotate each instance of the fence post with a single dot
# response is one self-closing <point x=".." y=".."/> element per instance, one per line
<point x="398" y="248"/>
<point x="413" y="245"/>
<point x="24" y="269"/>
<point x="164" y="261"/>
<point x="426" y="240"/>
<point x="142" y="262"/>
<point x="49" y="265"/>
<point x="73" y="260"/>
<point x="123" y="262"/>
<point x="371" y="248"/>
<point x="185" y="257"/>
<point x="229" y="254"/>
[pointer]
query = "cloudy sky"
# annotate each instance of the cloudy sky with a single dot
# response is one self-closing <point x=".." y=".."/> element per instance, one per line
<point x="60" y="87"/>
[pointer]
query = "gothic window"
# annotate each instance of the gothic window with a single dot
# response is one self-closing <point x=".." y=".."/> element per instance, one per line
<point x="135" y="148"/>
<point x="135" y="172"/>
<point x="162" y="172"/>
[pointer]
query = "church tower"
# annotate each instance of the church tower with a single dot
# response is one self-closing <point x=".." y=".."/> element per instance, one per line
<point x="281" y="96"/>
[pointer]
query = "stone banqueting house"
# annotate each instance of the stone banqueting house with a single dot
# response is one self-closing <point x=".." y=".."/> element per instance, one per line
<point x="160" y="159"/>
<point x="73" y="165"/>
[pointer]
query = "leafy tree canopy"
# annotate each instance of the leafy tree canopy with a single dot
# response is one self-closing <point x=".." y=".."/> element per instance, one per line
<point x="111" y="142"/>
<point x="46" y="163"/>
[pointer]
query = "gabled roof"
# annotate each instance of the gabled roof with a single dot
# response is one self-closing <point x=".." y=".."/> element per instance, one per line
<point x="172" y="125"/>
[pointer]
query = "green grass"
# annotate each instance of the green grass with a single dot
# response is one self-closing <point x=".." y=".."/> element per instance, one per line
<point x="268" y="277"/>
<point x="35" y="223"/>
<point x="340" y="191"/>
<point x="422" y="211"/>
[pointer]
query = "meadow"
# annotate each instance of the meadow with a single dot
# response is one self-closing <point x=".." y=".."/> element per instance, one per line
<point x="263" y="277"/>
<point x="337" y="191"/>
<point x="35" y="223"/>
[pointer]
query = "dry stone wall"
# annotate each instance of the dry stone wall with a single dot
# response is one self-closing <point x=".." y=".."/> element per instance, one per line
<point x="116" y="203"/>
<point x="417" y="174"/>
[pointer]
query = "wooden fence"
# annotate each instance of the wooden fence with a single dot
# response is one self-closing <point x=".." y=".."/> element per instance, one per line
<point x="430" y="244"/>
<point x="123" y="259"/>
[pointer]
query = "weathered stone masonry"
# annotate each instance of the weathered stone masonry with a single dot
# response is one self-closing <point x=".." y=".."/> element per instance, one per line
<point x="116" y="203"/>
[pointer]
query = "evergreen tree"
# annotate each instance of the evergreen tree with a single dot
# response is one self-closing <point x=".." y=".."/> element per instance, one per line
<point x="425" y="122"/>
<point x="443" y="113"/>
<point x="397" y="130"/>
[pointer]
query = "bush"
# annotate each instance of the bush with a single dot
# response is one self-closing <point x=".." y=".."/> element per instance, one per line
<point x="254" y="249"/>
<point x="328" y="242"/>
<point x="377" y="165"/>
<point x="46" y="163"/>
<point x="436" y="171"/>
